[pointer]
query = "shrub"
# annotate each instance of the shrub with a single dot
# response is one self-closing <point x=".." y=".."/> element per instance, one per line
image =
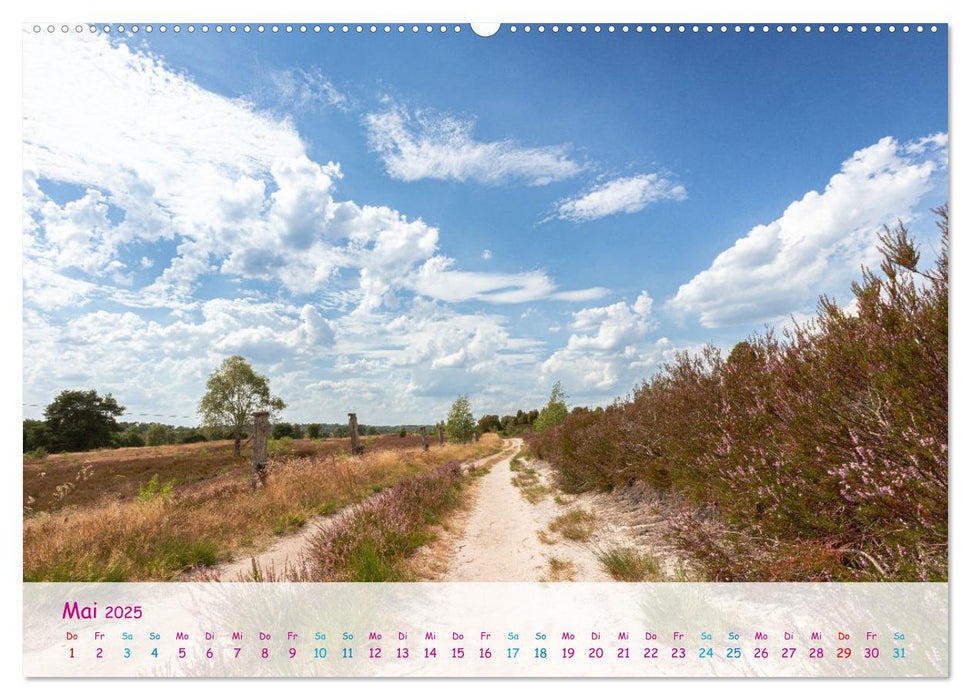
<point x="36" y="453"/>
<point x="129" y="438"/>
<point x="159" y="434"/>
<point x="286" y="430"/>
<point x="370" y="541"/>
<point x="313" y="431"/>
<point x="820" y="453"/>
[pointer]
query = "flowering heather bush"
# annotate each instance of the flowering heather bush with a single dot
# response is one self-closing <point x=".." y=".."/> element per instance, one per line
<point x="820" y="454"/>
<point x="369" y="542"/>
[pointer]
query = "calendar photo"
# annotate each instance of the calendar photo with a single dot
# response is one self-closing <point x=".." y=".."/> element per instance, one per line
<point x="451" y="350"/>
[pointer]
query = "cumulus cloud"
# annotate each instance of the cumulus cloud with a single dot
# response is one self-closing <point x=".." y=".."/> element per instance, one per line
<point x="819" y="241"/>
<point x="241" y="244"/>
<point x="156" y="365"/>
<point x="233" y="187"/>
<point x="623" y="195"/>
<point x="427" y="145"/>
<point x="606" y="344"/>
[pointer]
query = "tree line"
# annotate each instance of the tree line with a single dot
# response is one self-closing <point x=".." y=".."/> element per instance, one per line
<point x="80" y="420"/>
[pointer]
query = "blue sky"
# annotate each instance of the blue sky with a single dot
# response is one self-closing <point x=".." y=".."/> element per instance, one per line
<point x="382" y="222"/>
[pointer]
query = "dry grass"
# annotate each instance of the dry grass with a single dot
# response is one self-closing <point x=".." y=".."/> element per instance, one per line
<point x="159" y="538"/>
<point x="69" y="479"/>
<point x="575" y="524"/>
<point x="559" y="570"/>
<point x="545" y="537"/>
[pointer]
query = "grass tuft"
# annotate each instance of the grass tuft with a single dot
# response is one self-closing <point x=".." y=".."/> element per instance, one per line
<point x="576" y="524"/>
<point x="559" y="570"/>
<point x="628" y="564"/>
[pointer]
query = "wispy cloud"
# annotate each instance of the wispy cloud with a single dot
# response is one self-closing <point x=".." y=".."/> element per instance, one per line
<point x="623" y="195"/>
<point x="300" y="89"/>
<point x="436" y="279"/>
<point x="819" y="241"/>
<point x="428" y="145"/>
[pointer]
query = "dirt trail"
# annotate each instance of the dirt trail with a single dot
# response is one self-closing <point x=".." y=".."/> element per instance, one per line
<point x="285" y="551"/>
<point x="501" y="539"/>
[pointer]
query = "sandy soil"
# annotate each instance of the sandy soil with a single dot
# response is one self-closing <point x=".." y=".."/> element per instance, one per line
<point x="502" y="541"/>
<point x="506" y="538"/>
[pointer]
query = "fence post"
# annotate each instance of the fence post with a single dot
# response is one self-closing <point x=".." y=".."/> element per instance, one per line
<point x="424" y="438"/>
<point x="441" y="436"/>
<point x="356" y="447"/>
<point x="261" y="431"/>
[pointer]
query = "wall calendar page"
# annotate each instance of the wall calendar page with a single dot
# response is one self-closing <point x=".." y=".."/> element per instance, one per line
<point x="449" y="350"/>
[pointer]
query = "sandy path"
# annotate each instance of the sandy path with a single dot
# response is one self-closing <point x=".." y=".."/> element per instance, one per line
<point x="501" y="541"/>
<point x="285" y="551"/>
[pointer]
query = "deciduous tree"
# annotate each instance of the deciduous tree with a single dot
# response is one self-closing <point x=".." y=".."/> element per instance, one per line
<point x="233" y="393"/>
<point x="82" y="420"/>
<point x="460" y="424"/>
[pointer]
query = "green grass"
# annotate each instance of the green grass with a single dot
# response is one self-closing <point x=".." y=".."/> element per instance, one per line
<point x="368" y="564"/>
<point x="289" y="522"/>
<point x="328" y="508"/>
<point x="576" y="524"/>
<point x="628" y="564"/>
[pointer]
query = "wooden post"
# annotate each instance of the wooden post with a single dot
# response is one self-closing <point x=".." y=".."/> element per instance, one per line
<point x="356" y="446"/>
<point x="424" y="438"/>
<point x="261" y="431"/>
<point x="441" y="436"/>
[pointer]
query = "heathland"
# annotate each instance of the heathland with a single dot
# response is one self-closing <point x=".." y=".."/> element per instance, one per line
<point x="143" y="514"/>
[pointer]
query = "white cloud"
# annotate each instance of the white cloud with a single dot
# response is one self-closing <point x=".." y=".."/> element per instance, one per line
<point x="606" y="344"/>
<point x="442" y="147"/>
<point x="626" y="195"/>
<point x="819" y="242"/>
<point x="581" y="294"/>
<point x="154" y="364"/>
<point x="300" y="89"/>
<point x="233" y="192"/>
<point x="487" y="254"/>
<point x="437" y="280"/>
<point x="232" y="186"/>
